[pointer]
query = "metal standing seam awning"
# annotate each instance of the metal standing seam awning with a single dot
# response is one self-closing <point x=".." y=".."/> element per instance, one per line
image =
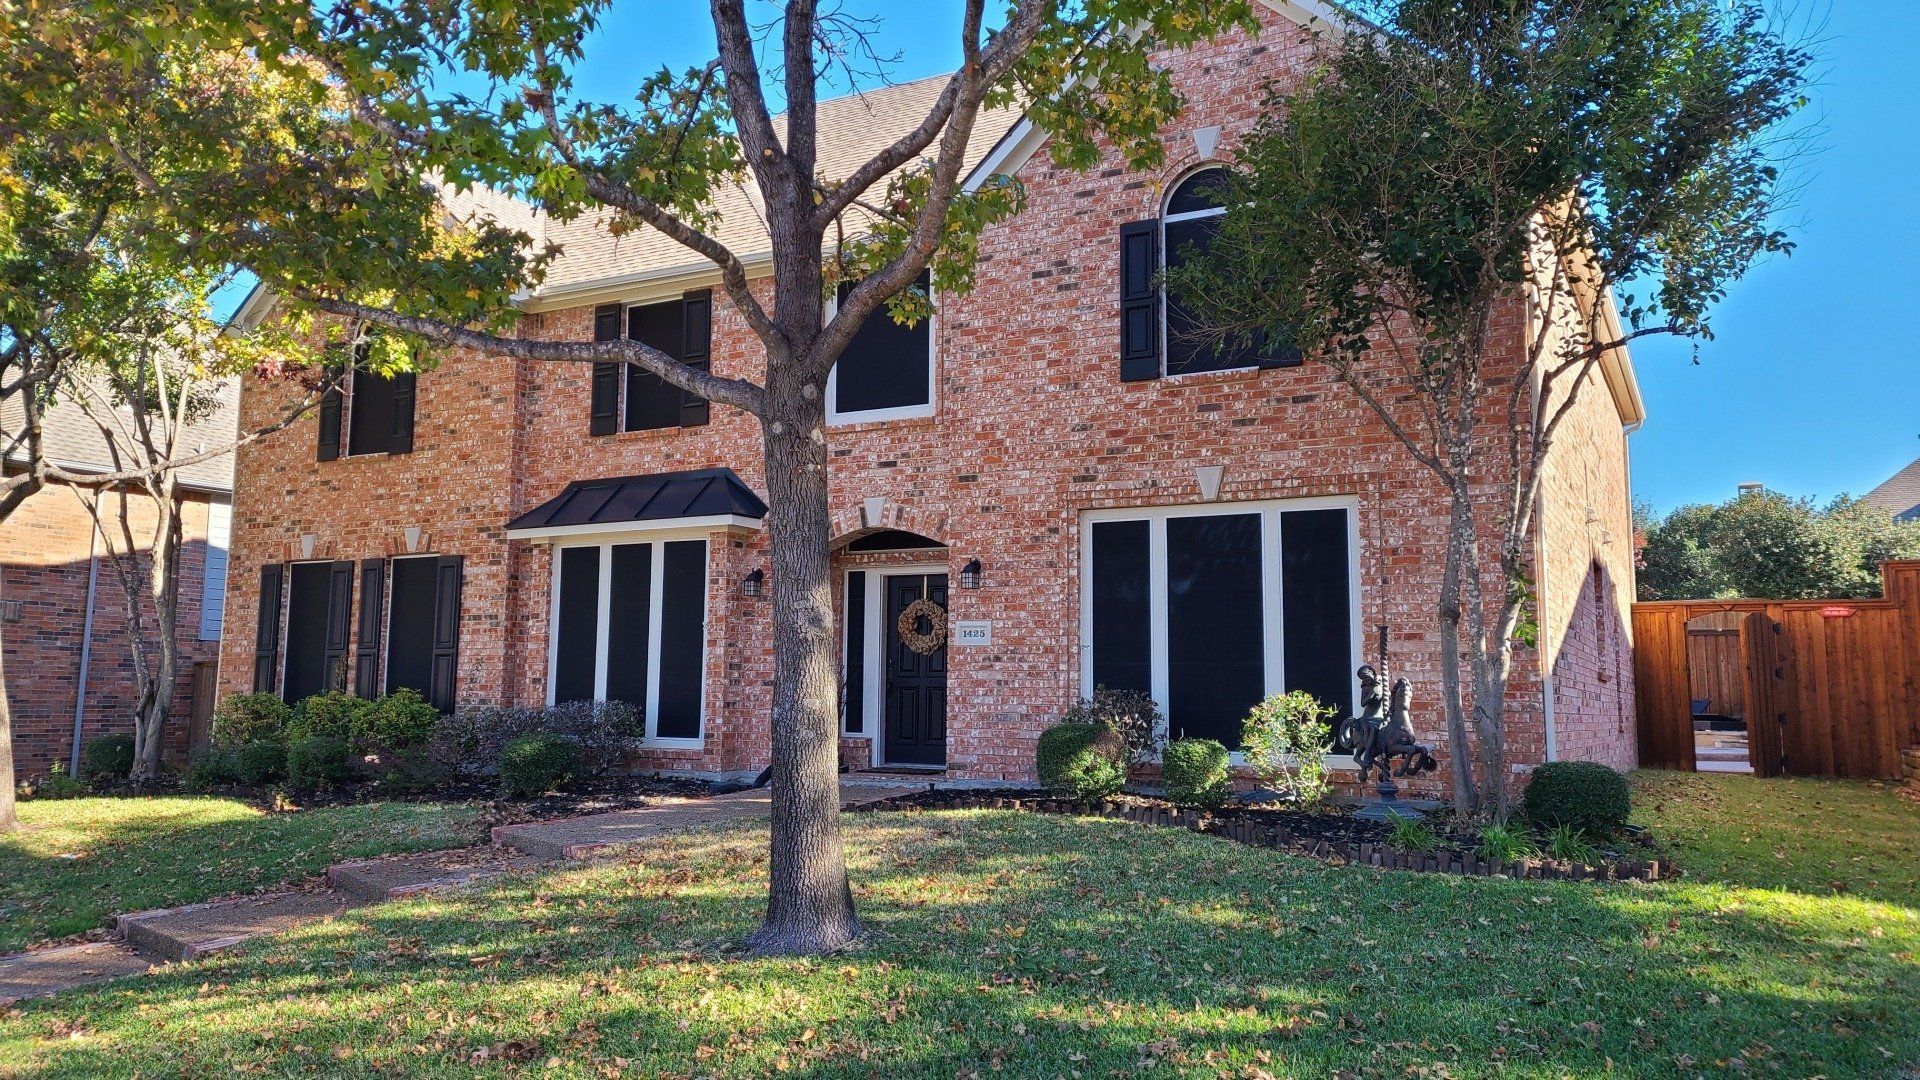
<point x="700" y="498"/>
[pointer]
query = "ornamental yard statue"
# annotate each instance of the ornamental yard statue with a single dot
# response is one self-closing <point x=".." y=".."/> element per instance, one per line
<point x="1384" y="734"/>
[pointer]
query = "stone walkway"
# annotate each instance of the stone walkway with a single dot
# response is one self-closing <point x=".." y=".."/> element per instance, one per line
<point x="195" y="930"/>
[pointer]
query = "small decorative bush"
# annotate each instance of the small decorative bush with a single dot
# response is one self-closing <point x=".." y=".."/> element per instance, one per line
<point x="211" y="767"/>
<point x="1584" y="795"/>
<point x="1503" y="843"/>
<point x="1082" y="761"/>
<point x="1285" y="743"/>
<point x="318" y="761"/>
<point x="536" y="764"/>
<point x="412" y="769"/>
<point x="108" y="755"/>
<point x="1414" y="836"/>
<point x="56" y="785"/>
<point x="402" y="720"/>
<point x="1194" y="772"/>
<point x="258" y="764"/>
<point x="332" y="715"/>
<point x="1569" y="844"/>
<point x="244" y="718"/>
<point x="1130" y="714"/>
<point x="473" y="739"/>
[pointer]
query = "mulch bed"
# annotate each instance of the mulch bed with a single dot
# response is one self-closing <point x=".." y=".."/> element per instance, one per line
<point x="597" y="795"/>
<point x="1333" y="835"/>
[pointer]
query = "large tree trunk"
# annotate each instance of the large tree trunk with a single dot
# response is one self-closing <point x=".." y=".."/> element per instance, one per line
<point x="810" y="904"/>
<point x="1458" y="563"/>
<point x="9" y="820"/>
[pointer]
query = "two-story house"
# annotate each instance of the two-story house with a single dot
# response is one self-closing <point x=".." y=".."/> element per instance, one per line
<point x="1088" y="496"/>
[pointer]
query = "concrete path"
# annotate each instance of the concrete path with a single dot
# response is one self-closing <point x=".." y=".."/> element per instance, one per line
<point x="184" y="933"/>
<point x="582" y="837"/>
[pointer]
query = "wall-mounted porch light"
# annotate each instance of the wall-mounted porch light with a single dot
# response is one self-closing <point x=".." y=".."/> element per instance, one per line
<point x="970" y="574"/>
<point x="754" y="583"/>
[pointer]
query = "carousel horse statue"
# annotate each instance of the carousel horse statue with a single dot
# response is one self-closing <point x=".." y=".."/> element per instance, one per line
<point x="1384" y="731"/>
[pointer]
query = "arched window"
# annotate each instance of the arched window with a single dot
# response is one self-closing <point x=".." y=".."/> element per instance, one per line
<point x="1163" y="332"/>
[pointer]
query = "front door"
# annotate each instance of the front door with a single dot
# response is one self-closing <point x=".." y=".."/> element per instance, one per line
<point x="915" y="693"/>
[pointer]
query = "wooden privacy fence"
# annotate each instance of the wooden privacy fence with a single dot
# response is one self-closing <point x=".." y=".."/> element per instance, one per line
<point x="1828" y="687"/>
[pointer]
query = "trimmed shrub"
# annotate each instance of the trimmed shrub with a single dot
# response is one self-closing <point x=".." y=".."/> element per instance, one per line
<point x="400" y="721"/>
<point x="536" y="764"/>
<point x="473" y="739"/>
<point x="108" y="755"/>
<point x="244" y="718"/>
<point x="211" y="767"/>
<point x="1583" y="795"/>
<point x="1194" y="772"/>
<point x="318" y="761"/>
<point x="258" y="764"/>
<point x="332" y="715"/>
<point x="1082" y="761"/>
<point x="1130" y="714"/>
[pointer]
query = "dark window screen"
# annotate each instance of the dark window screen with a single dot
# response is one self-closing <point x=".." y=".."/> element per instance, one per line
<point x="307" y="631"/>
<point x="1187" y="346"/>
<point x="1122" y="649"/>
<point x="1215" y="667"/>
<point x="651" y="401"/>
<point x="632" y="588"/>
<point x="683" y="609"/>
<point x="893" y="540"/>
<point x="855" y="685"/>
<point x="370" y="414"/>
<point x="410" y="625"/>
<point x="885" y="365"/>
<point x="574" y="644"/>
<point x="1316" y="603"/>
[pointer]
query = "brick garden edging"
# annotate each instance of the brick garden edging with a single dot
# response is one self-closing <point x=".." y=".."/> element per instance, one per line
<point x="1467" y="863"/>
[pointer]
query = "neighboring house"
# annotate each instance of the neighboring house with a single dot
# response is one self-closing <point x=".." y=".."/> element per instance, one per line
<point x="1091" y="499"/>
<point x="1899" y="495"/>
<point x="68" y="658"/>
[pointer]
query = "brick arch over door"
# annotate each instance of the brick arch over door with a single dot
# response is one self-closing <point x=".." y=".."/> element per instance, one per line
<point x="850" y="523"/>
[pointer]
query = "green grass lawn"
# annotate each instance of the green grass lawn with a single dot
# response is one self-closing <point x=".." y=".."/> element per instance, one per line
<point x="76" y="862"/>
<point x="1011" y="944"/>
<point x="1801" y="834"/>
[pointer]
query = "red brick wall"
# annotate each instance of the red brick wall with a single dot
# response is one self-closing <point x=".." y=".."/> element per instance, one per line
<point x="43" y="563"/>
<point x="1033" y="427"/>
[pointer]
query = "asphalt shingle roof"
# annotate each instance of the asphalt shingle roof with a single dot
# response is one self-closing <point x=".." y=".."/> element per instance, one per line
<point x="1900" y="495"/>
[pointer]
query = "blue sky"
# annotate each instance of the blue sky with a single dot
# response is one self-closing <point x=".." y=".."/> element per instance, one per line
<point x="1811" y="386"/>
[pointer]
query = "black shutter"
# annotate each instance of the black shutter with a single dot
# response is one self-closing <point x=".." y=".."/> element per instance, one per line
<point x="606" y="376"/>
<point x="339" y="623"/>
<point x="1139" y="301"/>
<point x="853" y="688"/>
<point x="366" y="661"/>
<point x="446" y="633"/>
<point x="266" y="642"/>
<point x="400" y="435"/>
<point x="330" y="403"/>
<point x="696" y="312"/>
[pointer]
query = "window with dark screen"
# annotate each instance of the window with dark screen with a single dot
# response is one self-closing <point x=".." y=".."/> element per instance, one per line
<point x="886" y="370"/>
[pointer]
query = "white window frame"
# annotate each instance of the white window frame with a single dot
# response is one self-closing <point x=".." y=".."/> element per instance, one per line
<point x="1166" y="255"/>
<point x="873" y="689"/>
<point x="836" y="418"/>
<point x="1273" y="630"/>
<point x="626" y="322"/>
<point x="657" y="538"/>
<point x="386" y="615"/>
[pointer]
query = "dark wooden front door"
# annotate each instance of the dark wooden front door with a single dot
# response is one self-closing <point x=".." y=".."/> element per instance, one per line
<point x="916" y="684"/>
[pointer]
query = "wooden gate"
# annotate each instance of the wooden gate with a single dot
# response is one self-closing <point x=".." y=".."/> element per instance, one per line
<point x="1827" y="687"/>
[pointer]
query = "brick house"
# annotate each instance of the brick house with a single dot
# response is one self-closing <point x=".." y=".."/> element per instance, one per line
<point x="69" y="662"/>
<point x="1089" y="497"/>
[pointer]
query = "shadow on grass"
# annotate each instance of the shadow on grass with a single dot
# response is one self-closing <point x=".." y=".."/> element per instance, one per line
<point x="78" y="862"/>
<point x="1029" y="946"/>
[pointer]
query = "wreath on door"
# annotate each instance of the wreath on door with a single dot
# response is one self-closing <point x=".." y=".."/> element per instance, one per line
<point x="923" y="642"/>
